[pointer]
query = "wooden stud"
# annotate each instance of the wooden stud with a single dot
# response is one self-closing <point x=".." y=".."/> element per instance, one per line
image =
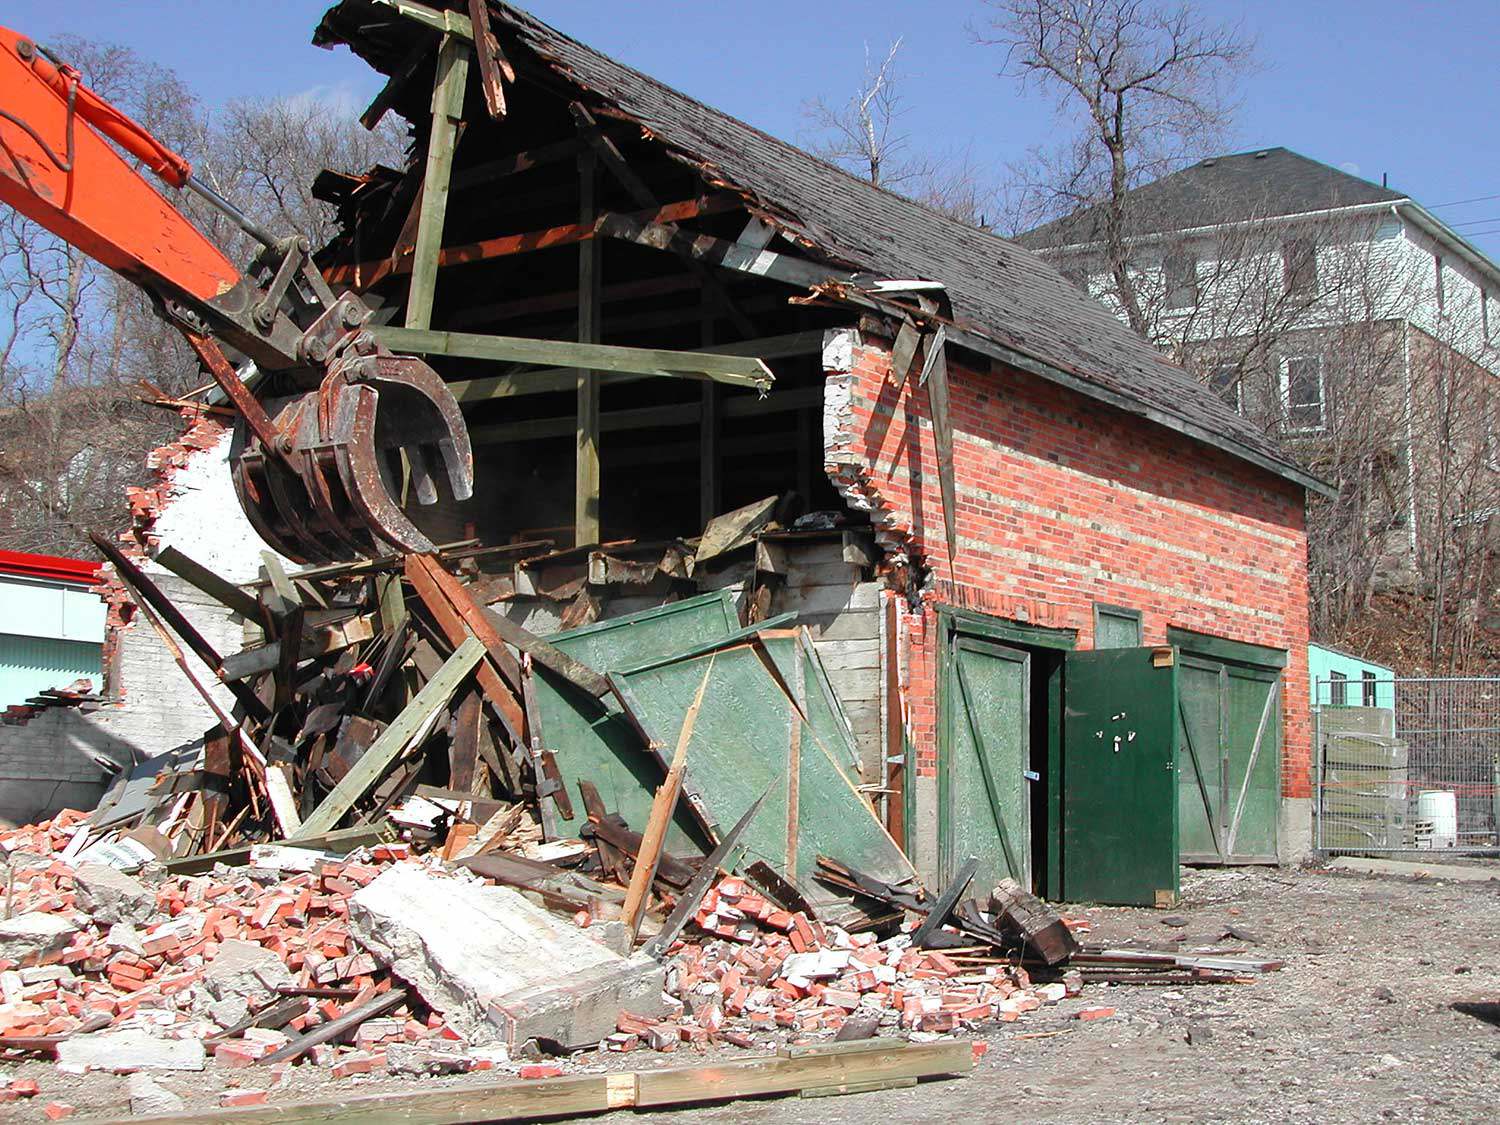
<point x="224" y="592"/>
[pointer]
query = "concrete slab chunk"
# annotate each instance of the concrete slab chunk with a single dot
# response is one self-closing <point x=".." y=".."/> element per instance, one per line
<point x="112" y="896"/>
<point x="242" y="968"/>
<point x="128" y="1049"/>
<point x="148" y="1096"/>
<point x="30" y="939"/>
<point x="496" y="965"/>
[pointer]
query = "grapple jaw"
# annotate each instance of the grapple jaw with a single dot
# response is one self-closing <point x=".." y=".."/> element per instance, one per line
<point x="328" y="492"/>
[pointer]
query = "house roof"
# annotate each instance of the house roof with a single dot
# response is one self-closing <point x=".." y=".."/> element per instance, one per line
<point x="1260" y="184"/>
<point x="1006" y="302"/>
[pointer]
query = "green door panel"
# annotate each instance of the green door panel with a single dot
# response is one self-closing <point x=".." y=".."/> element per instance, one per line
<point x="1254" y="764"/>
<point x="1230" y="730"/>
<point x="1200" y="780"/>
<point x="796" y="658"/>
<point x="1119" y="802"/>
<point x="986" y="800"/>
<point x="748" y="739"/>
<point x="593" y="740"/>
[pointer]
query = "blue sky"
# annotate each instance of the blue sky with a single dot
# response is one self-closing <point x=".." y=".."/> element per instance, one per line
<point x="1373" y="86"/>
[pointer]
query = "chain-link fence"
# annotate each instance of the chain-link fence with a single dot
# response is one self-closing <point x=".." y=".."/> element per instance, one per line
<point x="1407" y="765"/>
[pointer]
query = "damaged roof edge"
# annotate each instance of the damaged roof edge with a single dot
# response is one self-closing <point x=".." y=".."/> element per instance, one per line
<point x="806" y="229"/>
<point x="983" y="345"/>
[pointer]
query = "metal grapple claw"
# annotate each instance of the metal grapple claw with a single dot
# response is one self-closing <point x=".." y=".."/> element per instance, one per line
<point x="328" y="492"/>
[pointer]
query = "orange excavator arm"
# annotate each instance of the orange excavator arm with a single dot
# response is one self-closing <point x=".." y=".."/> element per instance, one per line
<point x="313" y="470"/>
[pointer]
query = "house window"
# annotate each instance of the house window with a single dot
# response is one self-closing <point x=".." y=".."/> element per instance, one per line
<point x="1302" y="391"/>
<point x="1299" y="259"/>
<point x="1181" y="271"/>
<point x="1367" y="689"/>
<point x="1437" y="265"/>
<point x="1338" y="689"/>
<point x="1225" y="382"/>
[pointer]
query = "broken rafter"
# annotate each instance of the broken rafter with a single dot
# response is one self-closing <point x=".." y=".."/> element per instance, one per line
<point x="369" y="273"/>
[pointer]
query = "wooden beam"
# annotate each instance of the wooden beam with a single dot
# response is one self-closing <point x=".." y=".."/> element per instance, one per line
<point x="395" y="84"/>
<point x="586" y="479"/>
<point x="545" y="380"/>
<point x="494" y="68"/>
<point x="647" y="417"/>
<point x="661" y="235"/>
<point x="710" y="494"/>
<point x="406" y="727"/>
<point x="486" y="173"/>
<point x="368" y="273"/>
<point x="741" y="371"/>
<point x="453" y="23"/>
<point x="224" y="592"/>
<point x="447" y="111"/>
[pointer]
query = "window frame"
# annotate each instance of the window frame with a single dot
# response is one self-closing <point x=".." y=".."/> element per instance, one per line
<point x="1286" y="393"/>
<point x="1338" y="689"/>
<point x="1367" y="682"/>
<point x="1299" y="265"/>
<point x="1184" y="282"/>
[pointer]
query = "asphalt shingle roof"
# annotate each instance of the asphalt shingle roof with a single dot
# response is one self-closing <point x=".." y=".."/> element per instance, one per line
<point x="1260" y="184"/>
<point x="999" y="290"/>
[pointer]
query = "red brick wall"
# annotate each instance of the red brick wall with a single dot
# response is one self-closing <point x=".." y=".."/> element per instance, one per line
<point x="1063" y="502"/>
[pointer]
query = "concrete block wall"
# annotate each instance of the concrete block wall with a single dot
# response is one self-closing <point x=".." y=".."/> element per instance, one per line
<point x="1064" y="502"/>
<point x="54" y="761"/>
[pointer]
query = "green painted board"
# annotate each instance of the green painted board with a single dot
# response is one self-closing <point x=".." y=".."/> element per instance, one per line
<point x="985" y="797"/>
<point x="1200" y="780"/>
<point x="1119" y="778"/>
<point x="796" y="658"/>
<point x="592" y="739"/>
<point x="747" y="736"/>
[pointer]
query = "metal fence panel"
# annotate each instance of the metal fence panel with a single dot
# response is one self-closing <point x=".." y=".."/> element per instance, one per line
<point x="1418" y="774"/>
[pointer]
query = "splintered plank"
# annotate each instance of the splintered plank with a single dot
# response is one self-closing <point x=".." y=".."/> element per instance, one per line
<point x="414" y="719"/>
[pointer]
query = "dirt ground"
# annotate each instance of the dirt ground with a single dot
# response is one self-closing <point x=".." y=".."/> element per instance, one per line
<point x="1360" y="1025"/>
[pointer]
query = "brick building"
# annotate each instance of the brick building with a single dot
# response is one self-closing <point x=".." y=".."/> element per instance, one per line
<point x="992" y="502"/>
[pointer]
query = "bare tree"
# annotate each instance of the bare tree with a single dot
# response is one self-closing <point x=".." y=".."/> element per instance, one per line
<point x="75" y="339"/>
<point x="864" y="135"/>
<point x="1144" y="86"/>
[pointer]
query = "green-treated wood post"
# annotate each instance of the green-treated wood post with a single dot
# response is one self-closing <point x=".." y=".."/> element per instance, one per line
<point x="373" y="764"/>
<point x="447" y="110"/>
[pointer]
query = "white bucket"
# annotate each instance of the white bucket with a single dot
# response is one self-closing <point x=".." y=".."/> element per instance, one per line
<point x="1436" y="822"/>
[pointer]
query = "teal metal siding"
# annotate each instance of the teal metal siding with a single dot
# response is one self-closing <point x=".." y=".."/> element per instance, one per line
<point x="1323" y="662"/>
<point x="32" y="664"/>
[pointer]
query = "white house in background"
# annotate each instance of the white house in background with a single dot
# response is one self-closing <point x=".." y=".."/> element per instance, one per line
<point x="1317" y="304"/>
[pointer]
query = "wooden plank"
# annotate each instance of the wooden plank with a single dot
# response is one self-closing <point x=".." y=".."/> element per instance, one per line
<point x="224" y="592"/>
<point x="881" y="1060"/>
<point x="663" y="806"/>
<point x="453" y="23"/>
<point x="549" y="380"/>
<point x="336" y="1027"/>
<point x="502" y="693"/>
<point x="894" y="750"/>
<point x="371" y="272"/>
<point x="315" y="642"/>
<point x="464" y="773"/>
<point x="577" y="673"/>
<point x="395" y="84"/>
<point x="823" y="1070"/>
<point x="373" y="764"/>
<point x="447" y="112"/>
<point x="741" y="371"/>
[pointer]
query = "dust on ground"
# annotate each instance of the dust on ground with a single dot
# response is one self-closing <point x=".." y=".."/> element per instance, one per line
<point x="1359" y="1025"/>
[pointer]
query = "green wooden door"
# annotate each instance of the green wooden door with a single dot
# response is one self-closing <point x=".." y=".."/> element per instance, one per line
<point x="1119" y="777"/>
<point x="1229" y="722"/>
<point x="985" y="795"/>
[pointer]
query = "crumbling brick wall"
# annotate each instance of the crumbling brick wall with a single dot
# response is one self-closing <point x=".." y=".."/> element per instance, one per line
<point x="1064" y="502"/>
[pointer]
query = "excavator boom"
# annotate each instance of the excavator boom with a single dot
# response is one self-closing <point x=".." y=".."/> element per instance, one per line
<point x="313" y="470"/>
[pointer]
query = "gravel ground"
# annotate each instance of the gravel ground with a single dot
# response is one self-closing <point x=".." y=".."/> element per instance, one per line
<point x="1360" y="1025"/>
